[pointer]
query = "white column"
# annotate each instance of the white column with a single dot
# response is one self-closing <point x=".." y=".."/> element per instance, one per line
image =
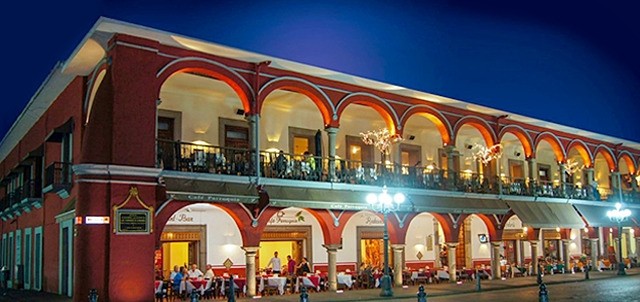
<point x="594" y="250"/>
<point x="436" y="242"/>
<point x="250" y="259"/>
<point x="451" y="174"/>
<point x="332" y="132"/>
<point x="332" y="250"/>
<point x="533" y="170"/>
<point x="566" y="254"/>
<point x="254" y="124"/>
<point x="398" y="264"/>
<point x="616" y="185"/>
<point x="496" y="272"/>
<point x="534" y="255"/>
<point x="563" y="178"/>
<point x="451" y="254"/>
<point x="395" y="158"/>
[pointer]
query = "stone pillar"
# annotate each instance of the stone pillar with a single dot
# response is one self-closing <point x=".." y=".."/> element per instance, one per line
<point x="250" y="260"/>
<point x="563" y="178"/>
<point x="332" y="250"/>
<point x="436" y="242"/>
<point x="332" y="132"/>
<point x="616" y="188"/>
<point x="254" y="125"/>
<point x="519" y="252"/>
<point x="587" y="183"/>
<point x="395" y="158"/>
<point x="594" y="250"/>
<point x="637" y="246"/>
<point x="398" y="263"/>
<point x="496" y="271"/>
<point x="451" y="254"/>
<point x="533" y="174"/>
<point x="451" y="174"/>
<point x="566" y="254"/>
<point x="534" y="255"/>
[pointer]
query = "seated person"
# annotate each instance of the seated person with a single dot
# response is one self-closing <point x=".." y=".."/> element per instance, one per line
<point x="174" y="272"/>
<point x="177" y="279"/>
<point x="194" y="272"/>
<point x="209" y="272"/>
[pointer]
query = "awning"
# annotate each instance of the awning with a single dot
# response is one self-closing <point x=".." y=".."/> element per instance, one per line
<point x="546" y="214"/>
<point x="319" y="198"/>
<point x="596" y="215"/>
<point x="57" y="133"/>
<point x="210" y="190"/>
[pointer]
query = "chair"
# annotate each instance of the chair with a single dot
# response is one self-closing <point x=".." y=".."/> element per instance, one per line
<point x="163" y="292"/>
<point x="365" y="281"/>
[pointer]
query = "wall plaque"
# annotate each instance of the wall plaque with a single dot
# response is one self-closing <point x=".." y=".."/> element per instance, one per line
<point x="133" y="221"/>
<point x="129" y="221"/>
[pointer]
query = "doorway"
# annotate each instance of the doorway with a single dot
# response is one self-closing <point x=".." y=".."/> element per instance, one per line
<point x="182" y="246"/>
<point x="294" y="241"/>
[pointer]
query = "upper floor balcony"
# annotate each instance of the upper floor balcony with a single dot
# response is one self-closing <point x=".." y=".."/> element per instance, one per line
<point x="203" y="127"/>
<point x="58" y="178"/>
<point x="21" y="199"/>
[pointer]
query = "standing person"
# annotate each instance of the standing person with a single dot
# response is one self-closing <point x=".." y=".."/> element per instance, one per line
<point x="291" y="266"/>
<point x="303" y="267"/>
<point x="275" y="263"/>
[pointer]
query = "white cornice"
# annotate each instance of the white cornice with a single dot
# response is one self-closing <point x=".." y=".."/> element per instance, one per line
<point x="115" y="170"/>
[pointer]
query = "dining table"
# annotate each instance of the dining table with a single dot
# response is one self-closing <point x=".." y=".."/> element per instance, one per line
<point x="273" y="281"/>
<point x="345" y="279"/>
<point x="157" y="285"/>
<point x="309" y="281"/>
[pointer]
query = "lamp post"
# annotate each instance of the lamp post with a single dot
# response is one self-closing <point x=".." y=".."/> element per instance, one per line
<point x="385" y="204"/>
<point x="618" y="216"/>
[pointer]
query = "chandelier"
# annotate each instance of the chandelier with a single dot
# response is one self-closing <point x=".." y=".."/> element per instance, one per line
<point x="381" y="139"/>
<point x="486" y="154"/>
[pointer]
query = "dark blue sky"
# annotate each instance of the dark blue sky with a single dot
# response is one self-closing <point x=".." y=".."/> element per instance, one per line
<point x="576" y="65"/>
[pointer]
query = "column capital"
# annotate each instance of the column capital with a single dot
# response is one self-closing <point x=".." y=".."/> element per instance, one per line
<point x="593" y="239"/>
<point x="534" y="242"/>
<point x="452" y="244"/>
<point x="331" y="130"/>
<point x="252" y="117"/>
<point x="332" y="247"/>
<point x="531" y="159"/>
<point x="496" y="243"/>
<point x="566" y="241"/>
<point x="616" y="173"/>
<point x="397" y="246"/>
<point x="250" y="249"/>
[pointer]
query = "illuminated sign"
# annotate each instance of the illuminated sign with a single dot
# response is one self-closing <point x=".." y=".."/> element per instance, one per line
<point x="97" y="220"/>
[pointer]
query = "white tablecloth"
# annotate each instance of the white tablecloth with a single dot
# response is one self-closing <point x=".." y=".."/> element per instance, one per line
<point x="279" y="282"/>
<point x="346" y="280"/>
<point x="306" y="282"/>
<point x="442" y="274"/>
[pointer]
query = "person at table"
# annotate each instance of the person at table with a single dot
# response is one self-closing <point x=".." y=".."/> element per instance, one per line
<point x="194" y="272"/>
<point x="303" y="267"/>
<point x="177" y="279"/>
<point x="275" y="263"/>
<point x="208" y="274"/>
<point x="291" y="266"/>
<point x="173" y="274"/>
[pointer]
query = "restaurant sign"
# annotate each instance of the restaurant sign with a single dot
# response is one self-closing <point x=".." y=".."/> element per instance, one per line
<point x="205" y="197"/>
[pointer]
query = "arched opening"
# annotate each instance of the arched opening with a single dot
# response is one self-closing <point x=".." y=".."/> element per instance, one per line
<point x="516" y="249"/>
<point x="578" y="160"/>
<point x="513" y="167"/>
<point x="421" y="149"/>
<point x="474" y="247"/>
<point x="201" y="234"/>
<point x="201" y="126"/>
<point x="474" y="175"/>
<point x="627" y="169"/>
<point x="424" y="243"/>
<point x="291" y="122"/>
<point x="292" y="232"/>
<point x="602" y="174"/>
<point x="547" y="166"/>
<point x="362" y="242"/>
<point x="356" y="161"/>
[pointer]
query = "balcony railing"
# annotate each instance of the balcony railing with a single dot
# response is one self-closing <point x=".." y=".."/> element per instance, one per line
<point x="189" y="157"/>
<point x="58" y="177"/>
<point x="180" y="156"/>
<point x="30" y="189"/>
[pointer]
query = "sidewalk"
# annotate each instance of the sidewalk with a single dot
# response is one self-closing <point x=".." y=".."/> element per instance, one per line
<point x="444" y="289"/>
<point x="432" y="290"/>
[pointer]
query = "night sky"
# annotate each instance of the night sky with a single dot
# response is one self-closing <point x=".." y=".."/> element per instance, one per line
<point x="576" y="65"/>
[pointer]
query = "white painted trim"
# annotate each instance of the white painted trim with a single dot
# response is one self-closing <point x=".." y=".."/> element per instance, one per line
<point x="37" y="253"/>
<point x="118" y="170"/>
<point x="28" y="257"/>
<point x="67" y="224"/>
<point x="101" y="181"/>
<point x="136" y="46"/>
<point x="62" y="217"/>
<point x="10" y="258"/>
<point x="198" y="59"/>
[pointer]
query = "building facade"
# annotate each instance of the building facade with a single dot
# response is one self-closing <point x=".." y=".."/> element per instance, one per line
<point x="147" y="149"/>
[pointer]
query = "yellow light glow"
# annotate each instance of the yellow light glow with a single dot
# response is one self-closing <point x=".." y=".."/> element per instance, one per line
<point x="418" y="247"/>
<point x="200" y="143"/>
<point x="525" y="229"/>
<point x="273" y="150"/>
<point x="557" y="229"/>
<point x="354" y="149"/>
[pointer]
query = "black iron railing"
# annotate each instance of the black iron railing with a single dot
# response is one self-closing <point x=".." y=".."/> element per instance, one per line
<point x="58" y="174"/>
<point x="190" y="157"/>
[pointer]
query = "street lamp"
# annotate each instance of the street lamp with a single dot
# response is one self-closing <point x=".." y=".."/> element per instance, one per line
<point x="618" y="215"/>
<point x="385" y="203"/>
